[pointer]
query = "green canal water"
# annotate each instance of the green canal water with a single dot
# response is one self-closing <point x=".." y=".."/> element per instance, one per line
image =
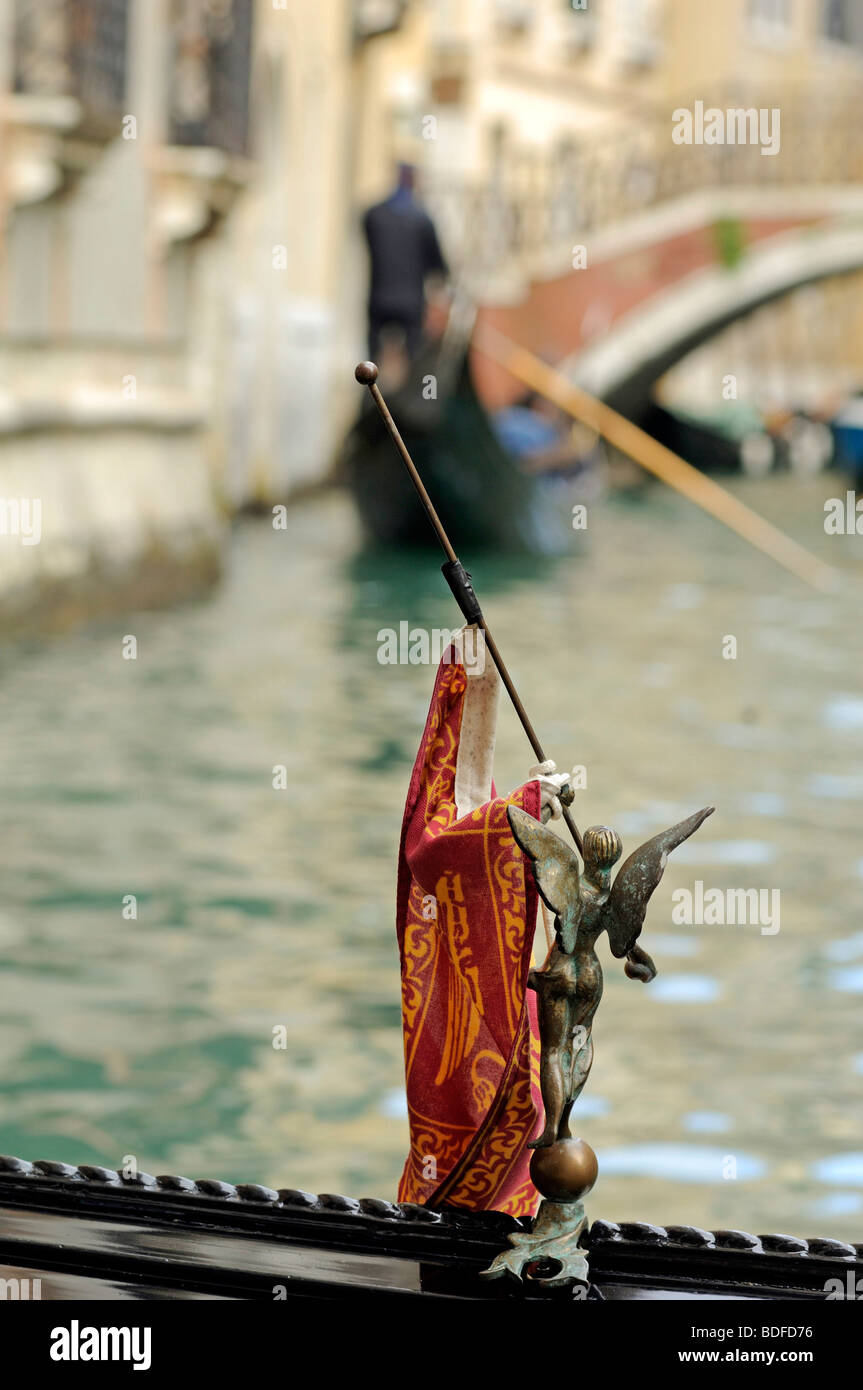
<point x="727" y="1093"/>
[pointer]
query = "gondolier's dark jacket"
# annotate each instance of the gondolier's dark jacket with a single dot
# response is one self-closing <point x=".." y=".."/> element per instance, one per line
<point x="404" y="249"/>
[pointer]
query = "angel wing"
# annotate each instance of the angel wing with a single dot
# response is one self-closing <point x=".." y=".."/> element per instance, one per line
<point x="624" y="913"/>
<point x="555" y="866"/>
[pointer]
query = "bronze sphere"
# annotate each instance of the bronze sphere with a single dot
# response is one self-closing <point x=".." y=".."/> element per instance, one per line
<point x="564" y="1171"/>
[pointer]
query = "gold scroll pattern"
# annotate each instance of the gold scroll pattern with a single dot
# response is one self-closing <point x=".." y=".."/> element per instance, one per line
<point x="469" y="1048"/>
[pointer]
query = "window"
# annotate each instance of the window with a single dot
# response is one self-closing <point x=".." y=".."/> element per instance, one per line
<point x="834" y="20"/>
<point x="769" y="20"/>
<point x="639" y="36"/>
<point x="209" y="77"/>
<point x="580" y="19"/>
<point x="841" y="21"/>
<point x="74" y="48"/>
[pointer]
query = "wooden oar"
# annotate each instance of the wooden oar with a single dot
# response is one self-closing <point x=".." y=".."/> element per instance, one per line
<point x="653" y="456"/>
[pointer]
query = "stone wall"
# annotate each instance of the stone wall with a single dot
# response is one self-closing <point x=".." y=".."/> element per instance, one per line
<point x="101" y="516"/>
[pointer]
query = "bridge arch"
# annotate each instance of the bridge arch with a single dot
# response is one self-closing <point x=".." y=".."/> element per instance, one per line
<point x="644" y="344"/>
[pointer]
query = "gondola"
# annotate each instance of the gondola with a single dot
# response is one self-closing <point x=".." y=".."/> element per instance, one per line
<point x="488" y="497"/>
<point x="94" y="1233"/>
<point x="733" y="442"/>
<point x="738" y="438"/>
<point x="91" y="1233"/>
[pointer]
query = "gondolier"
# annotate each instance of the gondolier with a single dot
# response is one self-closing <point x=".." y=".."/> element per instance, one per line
<point x="403" y="250"/>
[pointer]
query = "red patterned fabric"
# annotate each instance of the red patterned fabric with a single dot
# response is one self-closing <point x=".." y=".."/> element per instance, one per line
<point x="470" y="1032"/>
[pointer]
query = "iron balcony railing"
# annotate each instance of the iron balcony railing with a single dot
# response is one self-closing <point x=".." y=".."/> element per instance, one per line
<point x="79" y="49"/>
<point x="210" y="74"/>
<point x="74" y="48"/>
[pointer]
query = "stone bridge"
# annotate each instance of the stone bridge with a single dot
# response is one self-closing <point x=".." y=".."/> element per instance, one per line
<point x="655" y="289"/>
<point x="616" y="259"/>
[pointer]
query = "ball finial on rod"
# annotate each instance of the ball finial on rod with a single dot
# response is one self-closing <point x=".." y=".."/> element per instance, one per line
<point x="564" y="1171"/>
<point x="366" y="373"/>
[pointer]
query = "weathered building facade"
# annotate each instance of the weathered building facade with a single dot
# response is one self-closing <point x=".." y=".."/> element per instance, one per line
<point x="174" y="198"/>
<point x="182" y="278"/>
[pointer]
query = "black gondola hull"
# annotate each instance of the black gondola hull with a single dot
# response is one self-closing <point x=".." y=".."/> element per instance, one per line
<point x="483" y="496"/>
<point x="89" y="1233"/>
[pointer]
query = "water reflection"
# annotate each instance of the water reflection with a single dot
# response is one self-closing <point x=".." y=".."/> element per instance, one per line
<point x="837" y="786"/>
<point x="844" y="713"/>
<point x="706" y="1122"/>
<point x="667" y="945"/>
<point x="742" y="853"/>
<point x="681" y="1163"/>
<point x="685" y="989"/>
<point x="846" y="948"/>
<point x="837" y="1204"/>
<point x="843" y="1170"/>
<point x="848" y="981"/>
<point x="763" y="804"/>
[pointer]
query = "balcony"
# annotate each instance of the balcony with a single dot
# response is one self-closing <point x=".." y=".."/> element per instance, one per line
<point x="208" y="100"/>
<point x="72" y="51"/>
<point x="68" y="84"/>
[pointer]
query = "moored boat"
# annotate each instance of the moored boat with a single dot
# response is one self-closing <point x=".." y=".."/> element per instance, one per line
<point x="847" y="425"/>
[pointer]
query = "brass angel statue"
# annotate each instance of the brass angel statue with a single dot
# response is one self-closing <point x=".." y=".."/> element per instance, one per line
<point x="585" y="903"/>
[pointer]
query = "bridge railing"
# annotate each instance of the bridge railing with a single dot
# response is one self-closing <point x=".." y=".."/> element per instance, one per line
<point x="539" y="206"/>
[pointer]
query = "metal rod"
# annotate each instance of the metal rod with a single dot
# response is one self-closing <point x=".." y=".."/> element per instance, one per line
<point x="367" y="375"/>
